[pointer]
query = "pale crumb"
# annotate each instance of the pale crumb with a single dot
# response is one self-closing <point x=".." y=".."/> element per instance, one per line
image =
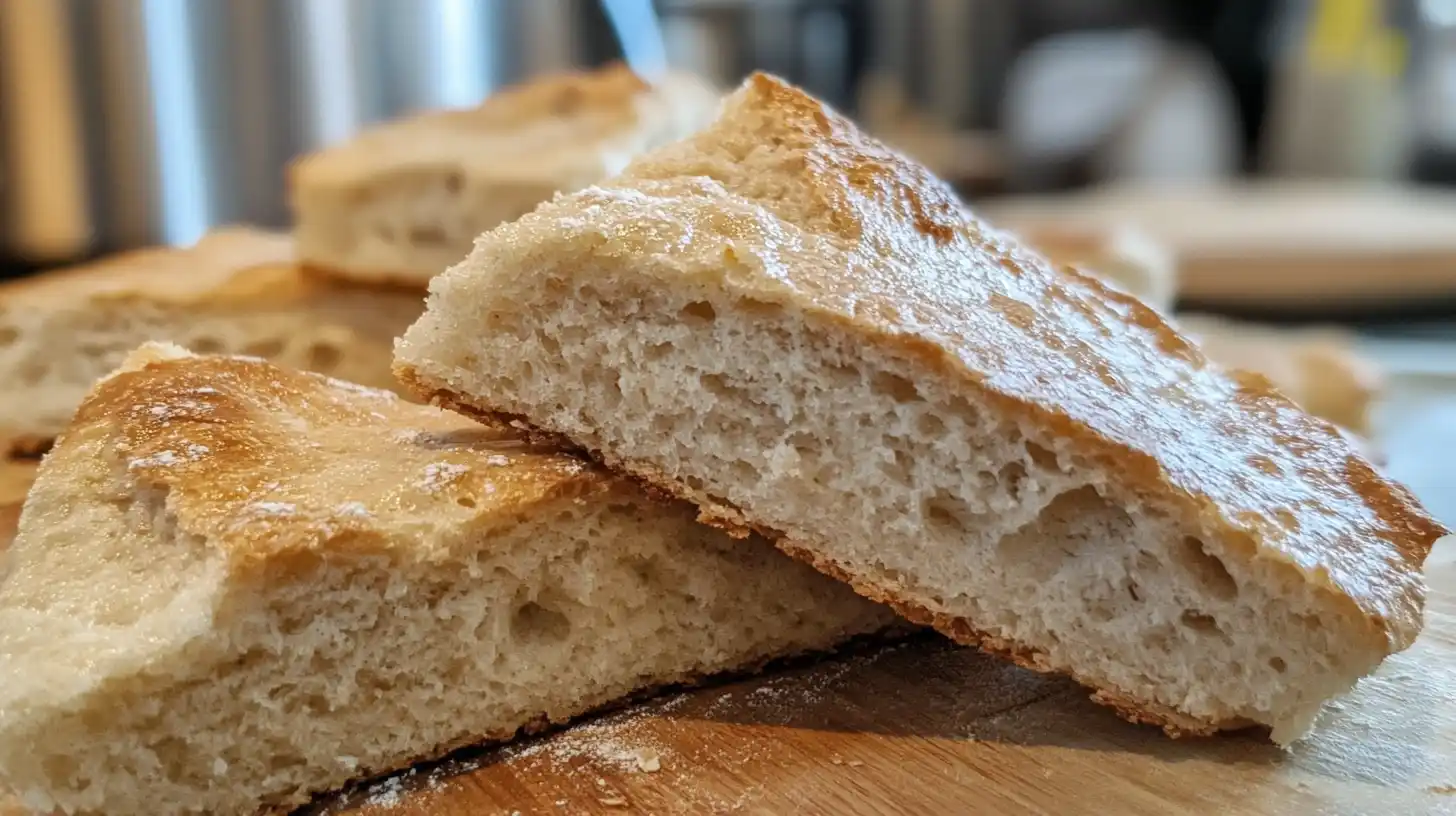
<point x="561" y="803"/>
<point x="854" y="763"/>
<point x="648" y="761"/>
<point x="601" y="783"/>
<point x="515" y="813"/>
<point x="836" y="761"/>
<point x="349" y="763"/>
<point x="219" y="767"/>
<point x="497" y="460"/>
<point x="613" y="802"/>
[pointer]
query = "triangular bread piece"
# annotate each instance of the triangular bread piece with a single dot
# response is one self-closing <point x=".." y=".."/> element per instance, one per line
<point x="236" y="291"/>
<point x="807" y="335"/>
<point x="401" y="201"/>
<point x="236" y="585"/>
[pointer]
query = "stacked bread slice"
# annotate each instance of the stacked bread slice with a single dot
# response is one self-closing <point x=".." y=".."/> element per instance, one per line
<point x="236" y="291"/>
<point x="807" y="335"/>
<point x="401" y="202"/>
<point x="236" y="585"/>
<point x="377" y="216"/>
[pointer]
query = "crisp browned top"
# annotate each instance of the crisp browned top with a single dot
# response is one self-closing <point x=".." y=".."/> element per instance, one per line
<point x="259" y="458"/>
<point x="559" y="123"/>
<point x="808" y="211"/>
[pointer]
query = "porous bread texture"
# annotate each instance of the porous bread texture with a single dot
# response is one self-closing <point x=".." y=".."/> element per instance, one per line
<point x="235" y="292"/>
<point x="236" y="585"/>
<point x="804" y="334"/>
<point x="403" y="201"/>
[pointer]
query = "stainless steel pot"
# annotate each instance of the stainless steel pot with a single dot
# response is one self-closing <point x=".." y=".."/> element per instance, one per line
<point x="132" y="122"/>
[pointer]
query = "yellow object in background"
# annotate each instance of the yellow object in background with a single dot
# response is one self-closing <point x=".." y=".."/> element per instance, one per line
<point x="1338" y="109"/>
<point x="1344" y="34"/>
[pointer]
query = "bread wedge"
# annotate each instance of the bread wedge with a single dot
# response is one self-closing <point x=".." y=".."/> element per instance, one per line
<point x="236" y="585"/>
<point x="236" y="291"/>
<point x="403" y="201"/>
<point x="806" y="335"/>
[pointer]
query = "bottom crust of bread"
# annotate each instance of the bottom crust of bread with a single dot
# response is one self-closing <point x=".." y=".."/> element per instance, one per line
<point x="725" y="516"/>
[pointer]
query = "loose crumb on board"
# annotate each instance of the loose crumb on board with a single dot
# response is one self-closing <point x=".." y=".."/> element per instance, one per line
<point x="648" y="760"/>
<point x="1443" y="790"/>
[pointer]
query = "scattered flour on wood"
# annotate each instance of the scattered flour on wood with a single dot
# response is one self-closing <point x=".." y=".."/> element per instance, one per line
<point x="393" y="791"/>
<point x="270" y="508"/>
<point x="164" y="458"/>
<point x="440" y="474"/>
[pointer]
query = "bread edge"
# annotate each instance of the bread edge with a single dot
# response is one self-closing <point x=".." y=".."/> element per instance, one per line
<point x="725" y="516"/>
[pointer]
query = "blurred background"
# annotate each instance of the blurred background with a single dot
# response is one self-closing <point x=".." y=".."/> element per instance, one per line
<point x="133" y="122"/>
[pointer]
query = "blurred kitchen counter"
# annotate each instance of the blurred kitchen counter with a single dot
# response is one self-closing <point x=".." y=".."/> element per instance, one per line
<point x="1279" y="247"/>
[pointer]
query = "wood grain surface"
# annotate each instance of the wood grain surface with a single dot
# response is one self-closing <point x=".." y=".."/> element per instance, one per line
<point x="1295" y="246"/>
<point x="924" y="727"/>
<point x="15" y="477"/>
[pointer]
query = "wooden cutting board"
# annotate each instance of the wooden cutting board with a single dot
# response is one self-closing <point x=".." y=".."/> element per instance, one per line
<point x="1290" y="246"/>
<point x="15" y="478"/>
<point x="923" y="727"/>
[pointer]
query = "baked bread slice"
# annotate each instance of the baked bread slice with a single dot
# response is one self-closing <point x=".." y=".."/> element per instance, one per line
<point x="403" y="201"/>
<point x="806" y="335"/>
<point x="236" y="291"/>
<point x="235" y="585"/>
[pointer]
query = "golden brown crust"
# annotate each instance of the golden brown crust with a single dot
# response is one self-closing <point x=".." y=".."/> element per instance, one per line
<point x="241" y="445"/>
<point x="930" y="284"/>
<point x="725" y="516"/>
